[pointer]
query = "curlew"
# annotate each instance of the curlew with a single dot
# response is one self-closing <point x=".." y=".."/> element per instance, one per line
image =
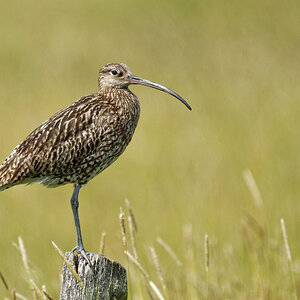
<point x="81" y="140"/>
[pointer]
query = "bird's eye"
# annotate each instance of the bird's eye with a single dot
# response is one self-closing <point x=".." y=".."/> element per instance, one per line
<point x="114" y="72"/>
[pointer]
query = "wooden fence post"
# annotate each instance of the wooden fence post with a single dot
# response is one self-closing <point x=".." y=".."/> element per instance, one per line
<point x="106" y="281"/>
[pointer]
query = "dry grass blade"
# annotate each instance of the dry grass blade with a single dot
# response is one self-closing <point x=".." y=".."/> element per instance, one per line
<point x="47" y="296"/>
<point x="13" y="297"/>
<point x="145" y="277"/>
<point x="191" y="274"/>
<point x="149" y="289"/>
<point x="102" y="243"/>
<point x="68" y="264"/>
<point x="286" y="241"/>
<point x="206" y="252"/>
<point x="131" y="214"/>
<point x="156" y="290"/>
<point x="137" y="264"/>
<point x="253" y="188"/>
<point x="132" y="236"/>
<point x="254" y="225"/>
<point x="20" y="246"/>
<point x="38" y="293"/>
<point x="288" y="254"/>
<point x="168" y="249"/>
<point x="206" y="255"/>
<point x="158" y="269"/>
<point x="23" y="253"/>
<point x="19" y="296"/>
<point x="43" y="291"/>
<point x="4" y="281"/>
<point x="246" y="233"/>
<point x="123" y="228"/>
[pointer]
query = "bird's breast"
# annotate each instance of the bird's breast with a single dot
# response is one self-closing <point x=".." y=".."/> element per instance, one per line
<point x="121" y="123"/>
<point x="114" y="129"/>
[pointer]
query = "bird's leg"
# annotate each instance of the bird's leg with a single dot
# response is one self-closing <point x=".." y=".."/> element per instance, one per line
<point x="75" y="204"/>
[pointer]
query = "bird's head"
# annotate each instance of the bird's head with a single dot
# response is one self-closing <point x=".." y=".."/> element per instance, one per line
<point x="118" y="75"/>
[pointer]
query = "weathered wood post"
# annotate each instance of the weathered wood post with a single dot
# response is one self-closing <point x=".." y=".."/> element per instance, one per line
<point x="106" y="281"/>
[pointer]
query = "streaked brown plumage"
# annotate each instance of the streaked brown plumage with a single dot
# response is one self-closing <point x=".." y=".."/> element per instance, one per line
<point x="81" y="140"/>
<point x="76" y="143"/>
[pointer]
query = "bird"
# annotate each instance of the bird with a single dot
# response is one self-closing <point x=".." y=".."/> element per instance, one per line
<point x="81" y="140"/>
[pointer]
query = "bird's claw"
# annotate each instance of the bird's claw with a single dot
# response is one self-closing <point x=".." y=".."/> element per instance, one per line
<point x="83" y="253"/>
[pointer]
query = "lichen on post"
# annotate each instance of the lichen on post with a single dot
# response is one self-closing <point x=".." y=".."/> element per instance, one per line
<point x="105" y="280"/>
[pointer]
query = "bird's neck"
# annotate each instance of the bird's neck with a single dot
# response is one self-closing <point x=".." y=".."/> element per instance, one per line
<point x="120" y="97"/>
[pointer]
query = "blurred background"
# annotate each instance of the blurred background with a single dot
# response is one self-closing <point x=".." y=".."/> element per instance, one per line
<point x="237" y="63"/>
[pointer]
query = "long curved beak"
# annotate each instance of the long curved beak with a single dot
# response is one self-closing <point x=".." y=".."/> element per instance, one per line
<point x="136" y="80"/>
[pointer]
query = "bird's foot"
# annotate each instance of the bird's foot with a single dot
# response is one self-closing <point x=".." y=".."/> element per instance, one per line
<point x="83" y="253"/>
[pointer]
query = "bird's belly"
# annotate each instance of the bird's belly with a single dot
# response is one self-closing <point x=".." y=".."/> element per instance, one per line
<point x="97" y="162"/>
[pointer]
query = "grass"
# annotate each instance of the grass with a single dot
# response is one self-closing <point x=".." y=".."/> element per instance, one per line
<point x="201" y="274"/>
<point x="237" y="64"/>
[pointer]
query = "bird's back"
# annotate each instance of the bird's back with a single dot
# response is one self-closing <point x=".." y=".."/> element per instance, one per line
<point x="76" y="143"/>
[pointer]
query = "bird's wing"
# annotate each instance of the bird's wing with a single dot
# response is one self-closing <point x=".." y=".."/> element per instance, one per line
<point x="59" y="143"/>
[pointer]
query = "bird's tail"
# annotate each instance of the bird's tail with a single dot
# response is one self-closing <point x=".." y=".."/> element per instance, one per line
<point x="4" y="181"/>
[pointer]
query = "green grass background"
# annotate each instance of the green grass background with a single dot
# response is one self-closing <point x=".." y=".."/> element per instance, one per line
<point x="237" y="63"/>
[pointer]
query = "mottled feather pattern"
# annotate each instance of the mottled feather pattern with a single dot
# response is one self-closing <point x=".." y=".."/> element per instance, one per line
<point x="75" y="144"/>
